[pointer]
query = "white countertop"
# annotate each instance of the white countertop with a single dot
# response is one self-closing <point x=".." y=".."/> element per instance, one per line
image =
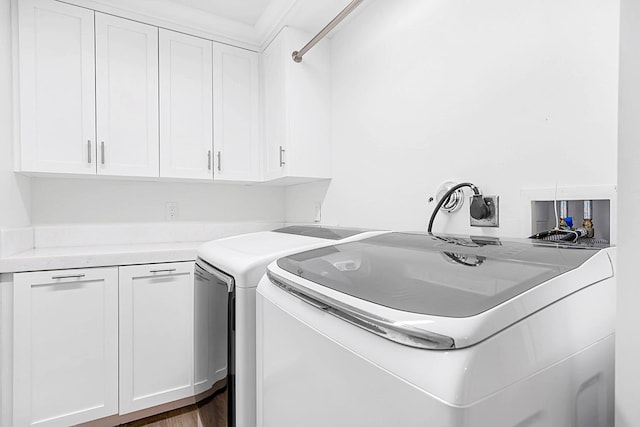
<point x="100" y="245"/>
<point x="98" y="256"/>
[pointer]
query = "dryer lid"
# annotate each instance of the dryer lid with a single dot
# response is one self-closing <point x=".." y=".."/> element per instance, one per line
<point x="445" y="276"/>
<point x="330" y="233"/>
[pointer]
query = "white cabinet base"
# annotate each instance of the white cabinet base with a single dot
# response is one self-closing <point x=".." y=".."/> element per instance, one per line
<point x="156" y="334"/>
<point x="65" y="346"/>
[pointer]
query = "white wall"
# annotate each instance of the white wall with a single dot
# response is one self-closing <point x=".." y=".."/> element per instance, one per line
<point x="68" y="201"/>
<point x="14" y="189"/>
<point x="14" y="203"/>
<point x="506" y="94"/>
<point x="627" y="342"/>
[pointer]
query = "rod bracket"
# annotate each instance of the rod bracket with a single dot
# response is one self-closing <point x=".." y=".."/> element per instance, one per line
<point x="297" y="55"/>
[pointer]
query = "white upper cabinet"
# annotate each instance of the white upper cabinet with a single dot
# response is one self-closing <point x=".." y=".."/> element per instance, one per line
<point x="274" y="61"/>
<point x="57" y="88"/>
<point x="236" y="97"/>
<point x="297" y="109"/>
<point x="127" y="97"/>
<point x="186" y="106"/>
<point x="105" y="95"/>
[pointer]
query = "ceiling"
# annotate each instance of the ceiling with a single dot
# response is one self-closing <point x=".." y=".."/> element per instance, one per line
<point x="244" y="11"/>
<point x="251" y="24"/>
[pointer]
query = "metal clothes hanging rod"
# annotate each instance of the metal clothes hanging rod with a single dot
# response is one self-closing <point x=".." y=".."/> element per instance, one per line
<point x="297" y="55"/>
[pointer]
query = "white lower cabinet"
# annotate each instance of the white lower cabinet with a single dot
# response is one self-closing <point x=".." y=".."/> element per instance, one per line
<point x="156" y="334"/>
<point x="95" y="342"/>
<point x="65" y="346"/>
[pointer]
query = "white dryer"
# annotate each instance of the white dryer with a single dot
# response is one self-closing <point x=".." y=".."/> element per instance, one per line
<point x="227" y="274"/>
<point x="407" y="329"/>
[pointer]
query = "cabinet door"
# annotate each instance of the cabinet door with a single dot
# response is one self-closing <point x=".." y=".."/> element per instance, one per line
<point x="297" y="105"/>
<point x="308" y="97"/>
<point x="156" y="334"/>
<point x="186" y="106"/>
<point x="127" y="97"/>
<point x="65" y="346"/>
<point x="275" y="108"/>
<point x="57" y="89"/>
<point x="236" y="113"/>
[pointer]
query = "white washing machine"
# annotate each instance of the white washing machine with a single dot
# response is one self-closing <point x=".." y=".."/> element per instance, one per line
<point x="226" y="277"/>
<point x="407" y="329"/>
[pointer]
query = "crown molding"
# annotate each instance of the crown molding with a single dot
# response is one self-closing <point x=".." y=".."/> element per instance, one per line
<point x="308" y="15"/>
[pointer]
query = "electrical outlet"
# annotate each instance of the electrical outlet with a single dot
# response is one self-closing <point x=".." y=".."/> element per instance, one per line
<point x="318" y="216"/>
<point x="171" y="211"/>
<point x="492" y="220"/>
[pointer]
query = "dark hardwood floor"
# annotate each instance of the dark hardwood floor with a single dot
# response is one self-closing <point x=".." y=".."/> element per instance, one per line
<point x="210" y="412"/>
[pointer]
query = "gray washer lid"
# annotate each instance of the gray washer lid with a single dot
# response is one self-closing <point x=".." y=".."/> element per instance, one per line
<point x="447" y="276"/>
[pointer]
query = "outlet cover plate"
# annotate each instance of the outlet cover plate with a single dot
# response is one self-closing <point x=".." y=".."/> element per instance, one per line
<point x="493" y="220"/>
<point x="171" y="211"/>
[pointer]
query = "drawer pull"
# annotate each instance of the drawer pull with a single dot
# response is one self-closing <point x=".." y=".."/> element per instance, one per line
<point x="68" y="276"/>
<point x="166" y="270"/>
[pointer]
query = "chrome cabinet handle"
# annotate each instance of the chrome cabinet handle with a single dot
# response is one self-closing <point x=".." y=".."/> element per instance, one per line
<point x="102" y="152"/>
<point x="68" y="276"/>
<point x="166" y="270"/>
<point x="89" y="151"/>
<point x="209" y="160"/>
<point x="219" y="162"/>
<point x="282" y="156"/>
